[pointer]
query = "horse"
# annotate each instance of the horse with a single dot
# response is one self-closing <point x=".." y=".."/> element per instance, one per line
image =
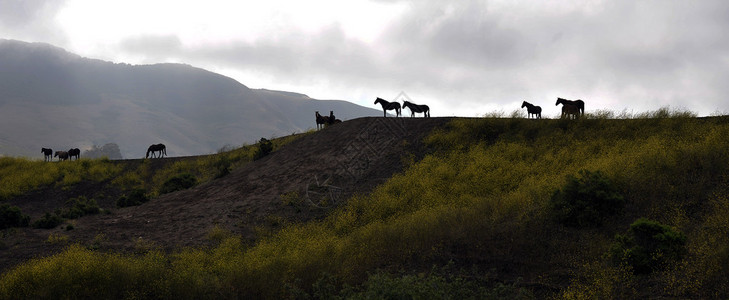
<point x="571" y="111"/>
<point x="157" y="148"/>
<point x="48" y="154"/>
<point x="532" y="110"/>
<point x="321" y="121"/>
<point x="388" y="106"/>
<point x="74" y="152"/>
<point x="62" y="155"/>
<point x="333" y="119"/>
<point x="579" y="103"/>
<point x="415" y="108"/>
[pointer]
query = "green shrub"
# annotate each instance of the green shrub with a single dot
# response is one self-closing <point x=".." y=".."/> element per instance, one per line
<point x="587" y="200"/>
<point x="648" y="246"/>
<point x="135" y="197"/>
<point x="48" y="221"/>
<point x="177" y="183"/>
<point x="11" y="216"/>
<point x="264" y="148"/>
<point x="80" y="207"/>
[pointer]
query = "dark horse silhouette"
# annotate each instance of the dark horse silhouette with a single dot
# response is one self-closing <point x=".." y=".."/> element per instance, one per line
<point x="74" y="152"/>
<point x="48" y="154"/>
<point x="333" y="119"/>
<point x="62" y="155"/>
<point x="532" y="110"/>
<point x="415" y="108"/>
<point x="321" y="121"/>
<point x="579" y="103"/>
<point x="388" y="106"/>
<point x="157" y="148"/>
<point x="570" y="111"/>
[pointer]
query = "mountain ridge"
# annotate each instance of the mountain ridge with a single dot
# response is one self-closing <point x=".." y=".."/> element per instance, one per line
<point x="53" y="98"/>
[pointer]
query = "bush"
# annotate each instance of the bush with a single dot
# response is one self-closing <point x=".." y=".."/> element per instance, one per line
<point x="80" y="207"/>
<point x="135" y="197"/>
<point x="264" y="148"/>
<point x="178" y="183"/>
<point x="587" y="200"/>
<point x="648" y="246"/>
<point x="48" y="221"/>
<point x="11" y="216"/>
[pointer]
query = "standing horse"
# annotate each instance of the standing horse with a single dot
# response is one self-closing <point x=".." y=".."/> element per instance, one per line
<point x="74" y="152"/>
<point x="333" y="119"/>
<point x="321" y="121"/>
<point x="579" y="103"/>
<point x="415" y="108"/>
<point x="157" y="148"/>
<point x="571" y="111"/>
<point x="48" y="154"/>
<point x="532" y="110"/>
<point x="62" y="155"/>
<point x="388" y="106"/>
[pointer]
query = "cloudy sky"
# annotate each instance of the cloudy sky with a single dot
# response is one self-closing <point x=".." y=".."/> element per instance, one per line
<point x="463" y="58"/>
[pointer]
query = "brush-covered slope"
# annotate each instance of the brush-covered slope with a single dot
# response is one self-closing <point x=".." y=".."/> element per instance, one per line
<point x="475" y="218"/>
<point x="53" y="98"/>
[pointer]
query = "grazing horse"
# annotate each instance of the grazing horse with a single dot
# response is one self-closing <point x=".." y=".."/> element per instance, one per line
<point x="388" y="106"/>
<point x="415" y="108"/>
<point x="157" y="148"/>
<point x="579" y="103"/>
<point x="48" y="154"/>
<point x="321" y="121"/>
<point x="571" y="111"/>
<point x="532" y="110"/>
<point x="74" y="152"/>
<point x="62" y="155"/>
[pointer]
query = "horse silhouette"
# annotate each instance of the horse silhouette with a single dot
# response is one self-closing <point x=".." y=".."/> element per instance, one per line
<point x="570" y="111"/>
<point x="321" y="121"/>
<point x="48" y="154"/>
<point x="62" y="155"/>
<point x="532" y="110"/>
<point x="388" y="106"/>
<point x="157" y="148"/>
<point x="579" y="103"/>
<point x="415" y="108"/>
<point x="333" y="119"/>
<point x="74" y="152"/>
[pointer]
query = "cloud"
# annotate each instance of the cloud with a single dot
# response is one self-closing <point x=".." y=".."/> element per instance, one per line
<point x="31" y="20"/>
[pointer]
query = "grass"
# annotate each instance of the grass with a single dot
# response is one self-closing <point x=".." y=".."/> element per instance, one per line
<point x="478" y="205"/>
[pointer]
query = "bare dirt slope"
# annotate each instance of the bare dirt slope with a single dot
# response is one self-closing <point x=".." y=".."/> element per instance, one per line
<point x="314" y="173"/>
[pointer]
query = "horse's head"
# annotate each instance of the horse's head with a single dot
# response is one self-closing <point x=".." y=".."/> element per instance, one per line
<point x="56" y="154"/>
<point x="523" y="104"/>
<point x="559" y="100"/>
<point x="378" y="100"/>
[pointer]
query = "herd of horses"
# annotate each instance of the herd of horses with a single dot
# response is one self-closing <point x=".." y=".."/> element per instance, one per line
<point x="62" y="155"/>
<point x="159" y="149"/>
<point x="571" y="109"/>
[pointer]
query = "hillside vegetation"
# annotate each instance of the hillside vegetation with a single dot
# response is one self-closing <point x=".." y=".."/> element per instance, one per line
<point x="500" y="208"/>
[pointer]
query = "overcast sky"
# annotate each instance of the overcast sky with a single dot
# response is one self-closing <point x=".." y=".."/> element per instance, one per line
<point x="463" y="58"/>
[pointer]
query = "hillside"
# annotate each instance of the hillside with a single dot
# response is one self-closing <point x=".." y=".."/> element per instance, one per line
<point x="53" y="98"/>
<point x="493" y="208"/>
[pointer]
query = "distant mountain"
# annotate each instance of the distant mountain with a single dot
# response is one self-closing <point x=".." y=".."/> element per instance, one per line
<point x="52" y="98"/>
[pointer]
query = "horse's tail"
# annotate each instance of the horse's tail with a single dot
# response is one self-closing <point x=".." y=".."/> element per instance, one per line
<point x="164" y="149"/>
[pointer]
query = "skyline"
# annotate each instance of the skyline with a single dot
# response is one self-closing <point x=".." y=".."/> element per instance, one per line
<point x="467" y="58"/>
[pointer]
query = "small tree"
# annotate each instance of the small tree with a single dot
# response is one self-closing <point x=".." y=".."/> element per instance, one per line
<point x="11" y="216"/>
<point x="587" y="200"/>
<point x="264" y="148"/>
<point x="648" y="246"/>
